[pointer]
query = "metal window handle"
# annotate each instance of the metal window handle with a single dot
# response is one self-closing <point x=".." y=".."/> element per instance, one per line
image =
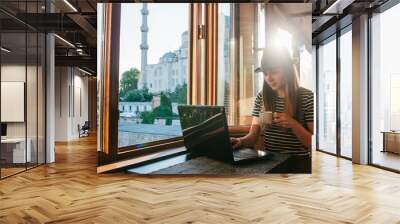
<point x="201" y="32"/>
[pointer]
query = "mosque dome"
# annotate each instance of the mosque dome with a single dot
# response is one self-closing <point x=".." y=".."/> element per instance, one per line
<point x="169" y="57"/>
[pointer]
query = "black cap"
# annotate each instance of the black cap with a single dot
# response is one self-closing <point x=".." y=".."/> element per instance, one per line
<point x="274" y="58"/>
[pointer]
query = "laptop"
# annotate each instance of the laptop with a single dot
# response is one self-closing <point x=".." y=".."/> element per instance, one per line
<point x="205" y="133"/>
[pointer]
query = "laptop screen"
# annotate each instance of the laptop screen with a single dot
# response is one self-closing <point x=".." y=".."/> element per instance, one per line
<point x="205" y="131"/>
<point x="191" y="116"/>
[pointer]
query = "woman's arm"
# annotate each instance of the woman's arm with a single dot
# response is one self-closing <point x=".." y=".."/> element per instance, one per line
<point x="304" y="135"/>
<point x="250" y="139"/>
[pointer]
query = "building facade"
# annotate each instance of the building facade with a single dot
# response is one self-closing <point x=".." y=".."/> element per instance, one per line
<point x="169" y="72"/>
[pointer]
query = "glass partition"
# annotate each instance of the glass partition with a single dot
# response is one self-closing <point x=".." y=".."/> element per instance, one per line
<point x="22" y="88"/>
<point x="14" y="144"/>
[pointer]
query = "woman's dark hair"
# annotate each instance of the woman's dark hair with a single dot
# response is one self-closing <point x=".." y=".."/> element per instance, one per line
<point x="281" y="60"/>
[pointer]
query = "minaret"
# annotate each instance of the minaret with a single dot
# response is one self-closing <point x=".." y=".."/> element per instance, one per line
<point x="144" y="46"/>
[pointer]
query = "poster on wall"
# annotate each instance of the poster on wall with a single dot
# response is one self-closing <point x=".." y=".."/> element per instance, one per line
<point x="260" y="65"/>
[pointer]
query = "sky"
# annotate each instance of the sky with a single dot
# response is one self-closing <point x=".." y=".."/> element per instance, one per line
<point x="166" y="23"/>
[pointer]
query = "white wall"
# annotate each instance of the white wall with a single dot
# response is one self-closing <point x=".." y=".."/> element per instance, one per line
<point x="80" y="109"/>
<point x="71" y="102"/>
<point x="61" y="103"/>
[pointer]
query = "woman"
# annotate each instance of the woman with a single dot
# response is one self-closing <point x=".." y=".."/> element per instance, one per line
<point x="293" y="114"/>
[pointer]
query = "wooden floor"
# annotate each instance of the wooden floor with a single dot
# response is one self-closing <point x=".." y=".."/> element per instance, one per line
<point x="70" y="191"/>
<point x="386" y="159"/>
<point x="5" y="172"/>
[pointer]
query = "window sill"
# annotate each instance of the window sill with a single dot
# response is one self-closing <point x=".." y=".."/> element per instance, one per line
<point x="239" y="130"/>
<point x="121" y="165"/>
<point x="166" y="143"/>
<point x="160" y="152"/>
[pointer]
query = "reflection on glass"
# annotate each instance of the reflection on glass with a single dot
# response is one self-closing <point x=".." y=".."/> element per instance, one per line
<point x="153" y="71"/>
<point x="385" y="87"/>
<point x="345" y="94"/>
<point x="327" y="97"/>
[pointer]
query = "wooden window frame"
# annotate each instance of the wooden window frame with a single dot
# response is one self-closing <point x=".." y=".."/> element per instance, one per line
<point x="109" y="151"/>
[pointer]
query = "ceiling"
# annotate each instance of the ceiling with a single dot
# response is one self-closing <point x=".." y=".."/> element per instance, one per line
<point x="74" y="22"/>
<point x="331" y="15"/>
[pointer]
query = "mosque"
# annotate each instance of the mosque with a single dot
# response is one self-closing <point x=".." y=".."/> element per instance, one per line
<point x="171" y="69"/>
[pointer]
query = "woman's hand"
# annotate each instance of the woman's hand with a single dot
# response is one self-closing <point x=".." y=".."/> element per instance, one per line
<point x="283" y="120"/>
<point x="236" y="143"/>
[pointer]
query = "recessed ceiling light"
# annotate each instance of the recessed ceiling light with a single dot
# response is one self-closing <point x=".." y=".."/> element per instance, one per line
<point x="70" y="5"/>
<point x="5" y="50"/>
<point x="337" y="7"/>
<point x="84" y="71"/>
<point x="64" y="40"/>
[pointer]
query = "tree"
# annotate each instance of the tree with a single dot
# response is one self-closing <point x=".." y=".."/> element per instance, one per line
<point x="136" y="95"/>
<point x="148" y="96"/>
<point x="147" y="117"/>
<point x="129" y="81"/>
<point x="162" y="111"/>
<point x="133" y="96"/>
<point x="179" y="95"/>
<point x="165" y="108"/>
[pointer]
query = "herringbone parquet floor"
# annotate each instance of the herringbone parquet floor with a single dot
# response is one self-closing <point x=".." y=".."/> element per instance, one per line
<point x="70" y="191"/>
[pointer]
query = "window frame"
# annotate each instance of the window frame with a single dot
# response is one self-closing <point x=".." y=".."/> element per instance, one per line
<point x="109" y="151"/>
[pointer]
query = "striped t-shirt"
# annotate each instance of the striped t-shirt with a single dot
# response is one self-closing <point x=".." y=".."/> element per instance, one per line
<point x="280" y="139"/>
